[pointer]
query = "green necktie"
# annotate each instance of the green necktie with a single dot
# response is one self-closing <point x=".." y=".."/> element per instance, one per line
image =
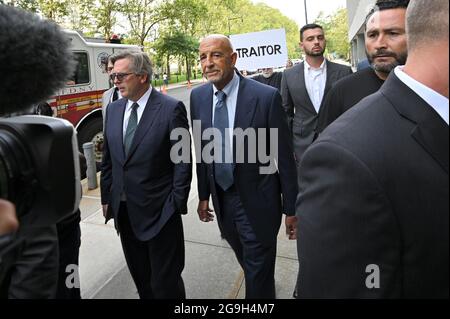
<point x="131" y="128"/>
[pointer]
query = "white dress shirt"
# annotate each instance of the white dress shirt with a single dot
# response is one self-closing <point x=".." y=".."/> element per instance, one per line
<point x="231" y="90"/>
<point x="316" y="80"/>
<point x="140" y="110"/>
<point x="437" y="101"/>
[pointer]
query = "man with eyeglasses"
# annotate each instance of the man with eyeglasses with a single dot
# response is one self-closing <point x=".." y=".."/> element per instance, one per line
<point x="141" y="187"/>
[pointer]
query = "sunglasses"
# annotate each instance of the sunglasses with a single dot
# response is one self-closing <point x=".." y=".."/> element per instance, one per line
<point x="120" y="76"/>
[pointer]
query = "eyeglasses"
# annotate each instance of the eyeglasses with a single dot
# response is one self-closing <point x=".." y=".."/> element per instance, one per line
<point x="120" y="76"/>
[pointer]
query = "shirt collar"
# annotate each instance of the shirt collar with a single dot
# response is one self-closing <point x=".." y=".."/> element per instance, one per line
<point x="230" y="87"/>
<point x="321" y="68"/>
<point x="437" y="101"/>
<point x="142" y="101"/>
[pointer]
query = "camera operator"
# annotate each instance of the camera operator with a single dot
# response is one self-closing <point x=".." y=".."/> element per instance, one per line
<point x="35" y="54"/>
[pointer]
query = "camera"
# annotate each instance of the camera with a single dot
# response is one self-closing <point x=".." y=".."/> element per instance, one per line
<point x="39" y="168"/>
<point x="39" y="163"/>
<point x="39" y="173"/>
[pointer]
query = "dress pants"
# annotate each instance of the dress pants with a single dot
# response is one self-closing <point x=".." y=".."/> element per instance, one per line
<point x="257" y="260"/>
<point x="155" y="265"/>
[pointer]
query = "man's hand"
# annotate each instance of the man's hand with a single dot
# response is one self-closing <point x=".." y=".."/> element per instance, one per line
<point x="8" y="220"/>
<point x="204" y="212"/>
<point x="291" y="227"/>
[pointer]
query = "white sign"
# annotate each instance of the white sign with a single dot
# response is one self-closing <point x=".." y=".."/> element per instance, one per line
<point x="259" y="50"/>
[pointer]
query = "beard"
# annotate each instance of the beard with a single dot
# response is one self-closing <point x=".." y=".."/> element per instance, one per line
<point x="315" y="53"/>
<point x="386" y="67"/>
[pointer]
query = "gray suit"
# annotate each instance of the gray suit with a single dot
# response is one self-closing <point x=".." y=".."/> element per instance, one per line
<point x="106" y="100"/>
<point x="301" y="113"/>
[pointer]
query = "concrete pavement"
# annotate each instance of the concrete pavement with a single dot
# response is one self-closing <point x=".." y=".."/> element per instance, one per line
<point x="211" y="270"/>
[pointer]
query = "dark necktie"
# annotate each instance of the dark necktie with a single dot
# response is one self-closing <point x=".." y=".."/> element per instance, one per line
<point x="131" y="128"/>
<point x="115" y="96"/>
<point x="223" y="171"/>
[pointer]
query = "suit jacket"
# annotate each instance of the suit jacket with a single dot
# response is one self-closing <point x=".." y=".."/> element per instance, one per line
<point x="106" y="100"/>
<point x="155" y="187"/>
<point x="302" y="115"/>
<point x="264" y="197"/>
<point x="374" y="191"/>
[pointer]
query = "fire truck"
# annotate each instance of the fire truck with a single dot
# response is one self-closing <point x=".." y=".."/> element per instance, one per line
<point x="80" y="101"/>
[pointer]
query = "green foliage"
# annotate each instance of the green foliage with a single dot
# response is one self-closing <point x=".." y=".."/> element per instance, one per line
<point x="105" y="17"/>
<point x="177" y="20"/>
<point x="336" y="31"/>
<point x="177" y="44"/>
<point x="142" y="16"/>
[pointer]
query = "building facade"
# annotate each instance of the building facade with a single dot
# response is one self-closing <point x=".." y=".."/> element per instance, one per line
<point x="357" y="11"/>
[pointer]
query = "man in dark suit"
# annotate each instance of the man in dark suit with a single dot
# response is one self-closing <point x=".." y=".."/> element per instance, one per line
<point x="142" y="187"/>
<point x="386" y="48"/>
<point x="249" y="202"/>
<point x="373" y="202"/>
<point x="304" y="87"/>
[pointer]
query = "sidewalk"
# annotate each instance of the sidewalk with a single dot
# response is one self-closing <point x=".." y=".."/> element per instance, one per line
<point x="211" y="270"/>
<point x="182" y="84"/>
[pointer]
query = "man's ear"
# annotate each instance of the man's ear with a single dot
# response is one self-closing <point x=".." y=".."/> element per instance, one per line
<point x="144" y="78"/>
<point x="234" y="57"/>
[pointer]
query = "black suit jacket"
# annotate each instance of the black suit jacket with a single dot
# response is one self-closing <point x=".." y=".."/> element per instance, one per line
<point x="302" y="115"/>
<point x="265" y="197"/>
<point x="374" y="190"/>
<point x="155" y="187"/>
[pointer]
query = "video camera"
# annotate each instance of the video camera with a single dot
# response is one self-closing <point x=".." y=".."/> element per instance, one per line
<point x="39" y="164"/>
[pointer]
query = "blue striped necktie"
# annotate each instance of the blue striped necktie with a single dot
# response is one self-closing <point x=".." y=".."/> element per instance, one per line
<point x="223" y="171"/>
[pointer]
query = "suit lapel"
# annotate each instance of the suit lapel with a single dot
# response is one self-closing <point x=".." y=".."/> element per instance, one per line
<point x="114" y="124"/>
<point x="330" y="78"/>
<point x="245" y="107"/>
<point x="148" y="117"/>
<point x="206" y="103"/>
<point x="431" y="132"/>
<point x="302" y="88"/>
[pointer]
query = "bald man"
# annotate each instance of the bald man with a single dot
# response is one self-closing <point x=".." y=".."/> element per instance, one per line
<point x="249" y="202"/>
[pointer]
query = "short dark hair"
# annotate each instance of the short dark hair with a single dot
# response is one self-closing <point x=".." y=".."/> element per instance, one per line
<point x="382" y="5"/>
<point x="309" y="26"/>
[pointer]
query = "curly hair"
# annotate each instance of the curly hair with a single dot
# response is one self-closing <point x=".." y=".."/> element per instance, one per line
<point x="35" y="60"/>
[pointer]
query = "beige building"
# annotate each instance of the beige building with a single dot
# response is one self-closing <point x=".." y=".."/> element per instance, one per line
<point x="357" y="12"/>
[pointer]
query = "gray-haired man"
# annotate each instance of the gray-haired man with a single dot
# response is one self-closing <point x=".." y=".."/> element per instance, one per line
<point x="142" y="189"/>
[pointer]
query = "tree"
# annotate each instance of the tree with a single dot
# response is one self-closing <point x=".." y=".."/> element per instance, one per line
<point x="105" y="17"/>
<point x="80" y="15"/>
<point x="55" y="10"/>
<point x="178" y="45"/>
<point x="142" y="16"/>
<point x="336" y="31"/>
<point x="29" y="5"/>
<point x="183" y="21"/>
